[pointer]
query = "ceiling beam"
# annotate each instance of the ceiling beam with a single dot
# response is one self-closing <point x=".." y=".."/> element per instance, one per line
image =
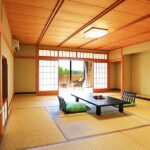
<point x="115" y="4"/>
<point x="50" y="19"/>
<point x="127" y="25"/>
<point x="109" y="45"/>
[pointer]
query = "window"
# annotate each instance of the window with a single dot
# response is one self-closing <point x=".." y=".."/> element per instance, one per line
<point x="48" y="75"/>
<point x="51" y="53"/>
<point x="70" y="54"/>
<point x="100" y="75"/>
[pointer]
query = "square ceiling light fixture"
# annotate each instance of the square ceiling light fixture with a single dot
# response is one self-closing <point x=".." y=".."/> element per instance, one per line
<point x="95" y="33"/>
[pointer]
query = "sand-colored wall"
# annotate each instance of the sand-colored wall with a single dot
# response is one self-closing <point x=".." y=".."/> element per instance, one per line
<point x="136" y="48"/>
<point x="6" y="52"/>
<point x="112" y="76"/>
<point x="115" y="75"/>
<point x="25" y="70"/>
<point x="141" y="73"/>
<point x="25" y="75"/>
<point x="127" y="73"/>
<point x="118" y="75"/>
<point x="26" y="50"/>
<point x="115" y="54"/>
<point x="135" y="63"/>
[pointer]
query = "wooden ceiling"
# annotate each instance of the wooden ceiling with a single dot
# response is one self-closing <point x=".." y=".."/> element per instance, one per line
<point x="61" y="23"/>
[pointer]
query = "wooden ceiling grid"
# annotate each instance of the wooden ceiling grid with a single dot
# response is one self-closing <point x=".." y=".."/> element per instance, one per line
<point x="127" y="42"/>
<point x="29" y="16"/>
<point x="72" y="12"/>
<point x="138" y="28"/>
<point x="63" y="22"/>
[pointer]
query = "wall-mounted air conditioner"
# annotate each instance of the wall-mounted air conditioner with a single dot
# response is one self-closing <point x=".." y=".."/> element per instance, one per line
<point x="15" y="44"/>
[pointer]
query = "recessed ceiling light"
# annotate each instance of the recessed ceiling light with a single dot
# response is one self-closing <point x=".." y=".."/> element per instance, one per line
<point x="95" y="33"/>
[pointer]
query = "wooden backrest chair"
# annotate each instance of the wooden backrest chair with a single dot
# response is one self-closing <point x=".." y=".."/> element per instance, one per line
<point x="130" y="97"/>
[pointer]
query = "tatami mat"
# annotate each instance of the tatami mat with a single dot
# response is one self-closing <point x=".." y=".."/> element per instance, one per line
<point x="31" y="97"/>
<point x="55" y="112"/>
<point x="114" y="141"/>
<point x="35" y="103"/>
<point x="87" y="125"/>
<point x="31" y="125"/>
<point x="28" y="128"/>
<point x="141" y="136"/>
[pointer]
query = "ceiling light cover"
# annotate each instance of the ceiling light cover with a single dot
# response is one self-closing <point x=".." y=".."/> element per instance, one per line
<point x="95" y="33"/>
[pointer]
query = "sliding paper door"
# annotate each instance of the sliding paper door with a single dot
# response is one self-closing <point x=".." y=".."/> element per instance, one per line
<point x="100" y="76"/>
<point x="48" y="76"/>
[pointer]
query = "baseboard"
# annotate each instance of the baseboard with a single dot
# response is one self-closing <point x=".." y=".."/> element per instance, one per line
<point x="142" y="97"/>
<point x="10" y="105"/>
<point x="115" y="89"/>
<point x="25" y="92"/>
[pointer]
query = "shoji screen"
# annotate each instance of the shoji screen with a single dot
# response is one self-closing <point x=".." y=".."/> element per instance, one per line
<point x="100" y="75"/>
<point x="48" y="75"/>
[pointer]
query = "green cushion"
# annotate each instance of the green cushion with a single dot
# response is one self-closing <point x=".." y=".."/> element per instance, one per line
<point x="127" y="105"/>
<point x="76" y="107"/>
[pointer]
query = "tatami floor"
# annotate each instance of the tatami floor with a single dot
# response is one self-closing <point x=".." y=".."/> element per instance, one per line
<point x="36" y="122"/>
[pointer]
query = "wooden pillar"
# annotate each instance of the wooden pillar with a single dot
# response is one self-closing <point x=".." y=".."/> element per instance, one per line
<point x="1" y="124"/>
<point x="122" y="71"/>
<point x="70" y="71"/>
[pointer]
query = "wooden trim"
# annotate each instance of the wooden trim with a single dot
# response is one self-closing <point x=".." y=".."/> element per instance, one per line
<point x="25" y="93"/>
<point x="143" y="97"/>
<point x="108" y="75"/>
<point x="10" y="105"/>
<point x="41" y="93"/>
<point x="50" y="19"/>
<point x="72" y="49"/>
<point x="1" y="127"/>
<point x="25" y="57"/>
<point x="115" y="4"/>
<point x="47" y="58"/>
<point x="115" y="60"/>
<point x="100" y="90"/>
<point x="122" y="71"/>
<point x="127" y="25"/>
<point x="37" y="71"/>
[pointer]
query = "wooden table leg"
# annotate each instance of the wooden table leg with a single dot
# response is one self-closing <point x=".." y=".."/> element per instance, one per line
<point x="98" y="110"/>
<point x="120" y="107"/>
<point x="77" y="99"/>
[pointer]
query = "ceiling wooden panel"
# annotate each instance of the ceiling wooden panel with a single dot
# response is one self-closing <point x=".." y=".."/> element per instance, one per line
<point x="130" y="41"/>
<point x="49" y="4"/>
<point x="137" y="7"/>
<point x="72" y="11"/>
<point x="96" y="3"/>
<point x="112" y="26"/>
<point x="28" y="19"/>
<point x="28" y="10"/>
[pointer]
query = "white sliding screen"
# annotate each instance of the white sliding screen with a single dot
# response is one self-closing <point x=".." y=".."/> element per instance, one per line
<point x="48" y="76"/>
<point x="100" y="76"/>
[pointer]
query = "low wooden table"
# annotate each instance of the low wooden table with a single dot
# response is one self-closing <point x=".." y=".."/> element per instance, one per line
<point x="108" y="101"/>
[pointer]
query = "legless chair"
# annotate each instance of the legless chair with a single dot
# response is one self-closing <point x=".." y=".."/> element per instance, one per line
<point x="130" y="97"/>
